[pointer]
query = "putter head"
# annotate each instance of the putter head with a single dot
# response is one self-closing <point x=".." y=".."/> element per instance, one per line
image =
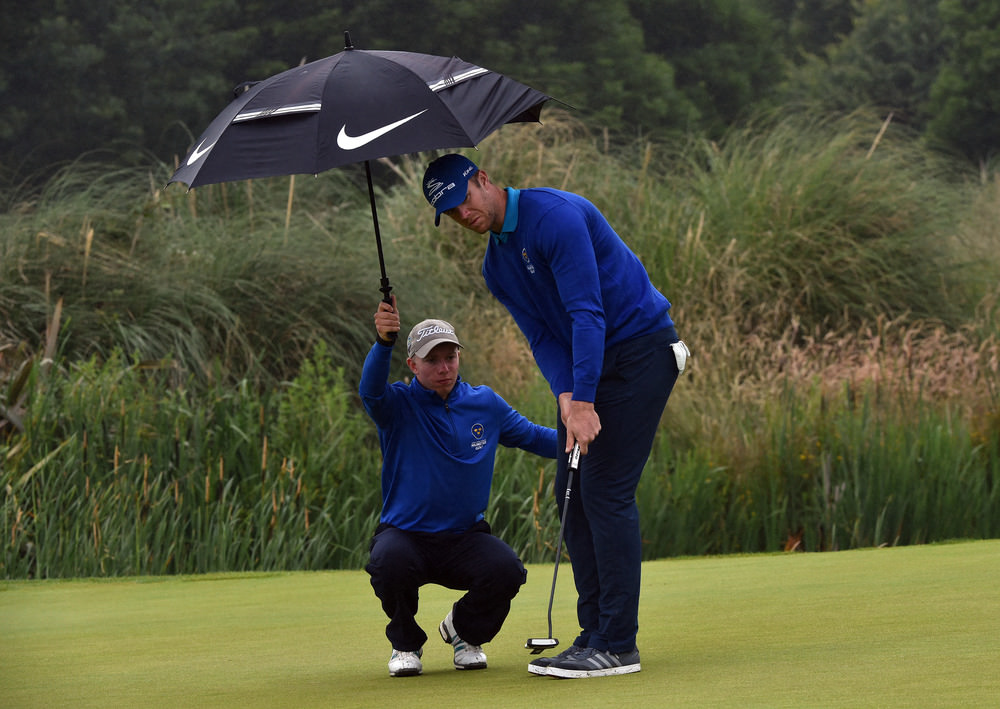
<point x="538" y="645"/>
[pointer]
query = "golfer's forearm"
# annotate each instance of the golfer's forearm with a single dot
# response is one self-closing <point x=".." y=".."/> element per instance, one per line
<point x="375" y="372"/>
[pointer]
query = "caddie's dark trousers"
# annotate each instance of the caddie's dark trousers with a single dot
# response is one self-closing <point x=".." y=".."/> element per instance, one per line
<point x="602" y="525"/>
<point x="400" y="562"/>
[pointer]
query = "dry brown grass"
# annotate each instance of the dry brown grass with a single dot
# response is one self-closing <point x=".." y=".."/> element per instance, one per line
<point x="903" y="366"/>
<point x="949" y="367"/>
<point x="496" y="353"/>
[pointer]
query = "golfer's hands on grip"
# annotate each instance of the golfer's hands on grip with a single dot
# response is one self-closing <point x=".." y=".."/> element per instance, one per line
<point x="387" y="319"/>
<point x="581" y="421"/>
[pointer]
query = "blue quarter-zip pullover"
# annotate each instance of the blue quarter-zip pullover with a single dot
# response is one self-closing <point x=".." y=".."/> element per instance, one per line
<point x="438" y="454"/>
<point x="571" y="284"/>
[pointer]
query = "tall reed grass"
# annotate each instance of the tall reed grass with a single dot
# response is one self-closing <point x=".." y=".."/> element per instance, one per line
<point x="178" y="369"/>
<point x="148" y="476"/>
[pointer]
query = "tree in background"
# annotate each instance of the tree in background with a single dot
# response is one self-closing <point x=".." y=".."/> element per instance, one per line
<point x="124" y="76"/>
<point x="818" y="24"/>
<point x="587" y="53"/>
<point x="52" y="76"/>
<point x="145" y="77"/>
<point x="723" y="52"/>
<point x="136" y="79"/>
<point x="889" y="61"/>
<point x="965" y="98"/>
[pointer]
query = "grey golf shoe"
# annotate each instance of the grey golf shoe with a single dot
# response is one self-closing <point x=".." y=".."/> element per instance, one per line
<point x="541" y="665"/>
<point x="595" y="663"/>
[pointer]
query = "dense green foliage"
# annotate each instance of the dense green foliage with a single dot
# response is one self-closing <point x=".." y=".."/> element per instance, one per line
<point x="178" y="369"/>
<point x="122" y="473"/>
<point x="965" y="96"/>
<point x="890" y="59"/>
<point x="135" y="82"/>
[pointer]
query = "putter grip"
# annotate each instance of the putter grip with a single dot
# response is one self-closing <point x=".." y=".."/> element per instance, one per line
<point x="574" y="458"/>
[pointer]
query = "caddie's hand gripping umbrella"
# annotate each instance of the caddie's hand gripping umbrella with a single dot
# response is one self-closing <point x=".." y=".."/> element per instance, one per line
<point x="354" y="107"/>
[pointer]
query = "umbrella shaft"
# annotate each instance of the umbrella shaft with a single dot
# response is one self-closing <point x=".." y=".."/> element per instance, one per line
<point x="386" y="288"/>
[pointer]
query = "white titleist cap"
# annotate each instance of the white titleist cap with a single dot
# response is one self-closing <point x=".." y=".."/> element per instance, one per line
<point x="426" y="334"/>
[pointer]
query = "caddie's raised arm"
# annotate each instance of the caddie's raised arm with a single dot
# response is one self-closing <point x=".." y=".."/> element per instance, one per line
<point x="387" y="321"/>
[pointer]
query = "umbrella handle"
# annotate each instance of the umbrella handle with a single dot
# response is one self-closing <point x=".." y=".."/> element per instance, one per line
<point x="387" y="298"/>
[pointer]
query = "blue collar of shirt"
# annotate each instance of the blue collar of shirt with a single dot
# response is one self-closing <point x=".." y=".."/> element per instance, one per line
<point x="430" y="395"/>
<point x="509" y="217"/>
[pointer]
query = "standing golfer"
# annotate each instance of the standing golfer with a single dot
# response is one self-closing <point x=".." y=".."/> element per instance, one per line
<point x="439" y="437"/>
<point x="602" y="337"/>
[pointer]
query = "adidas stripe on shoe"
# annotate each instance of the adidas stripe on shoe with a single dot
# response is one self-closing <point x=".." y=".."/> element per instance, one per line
<point x="405" y="664"/>
<point x="467" y="657"/>
<point x="595" y="663"/>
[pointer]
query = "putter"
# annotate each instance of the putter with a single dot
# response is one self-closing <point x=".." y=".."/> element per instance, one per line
<point x="537" y="645"/>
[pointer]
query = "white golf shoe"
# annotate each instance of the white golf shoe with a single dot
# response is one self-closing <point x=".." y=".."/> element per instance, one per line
<point x="467" y="657"/>
<point x="405" y="664"/>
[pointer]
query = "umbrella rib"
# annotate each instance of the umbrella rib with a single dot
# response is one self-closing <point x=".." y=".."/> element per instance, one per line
<point x="453" y="79"/>
<point x="449" y="81"/>
<point x="312" y="107"/>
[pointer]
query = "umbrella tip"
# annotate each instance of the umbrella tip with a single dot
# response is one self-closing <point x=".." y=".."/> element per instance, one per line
<point x="241" y="89"/>
<point x="347" y="40"/>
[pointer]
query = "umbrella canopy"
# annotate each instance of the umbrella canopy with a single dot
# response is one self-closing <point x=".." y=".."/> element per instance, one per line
<point x="353" y="107"/>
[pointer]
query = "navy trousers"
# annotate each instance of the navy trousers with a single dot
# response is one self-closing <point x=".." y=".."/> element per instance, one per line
<point x="602" y="525"/>
<point x="400" y="562"/>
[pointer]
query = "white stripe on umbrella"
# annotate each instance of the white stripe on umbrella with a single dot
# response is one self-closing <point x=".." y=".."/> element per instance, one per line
<point x="278" y="111"/>
<point x="457" y="78"/>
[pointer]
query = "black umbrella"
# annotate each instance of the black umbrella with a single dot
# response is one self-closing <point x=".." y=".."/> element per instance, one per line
<point x="354" y="107"/>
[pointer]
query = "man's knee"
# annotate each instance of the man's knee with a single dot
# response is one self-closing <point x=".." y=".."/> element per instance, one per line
<point x="391" y="559"/>
<point x="509" y="576"/>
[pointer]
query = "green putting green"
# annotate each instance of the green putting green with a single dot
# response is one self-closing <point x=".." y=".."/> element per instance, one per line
<point x="902" y="627"/>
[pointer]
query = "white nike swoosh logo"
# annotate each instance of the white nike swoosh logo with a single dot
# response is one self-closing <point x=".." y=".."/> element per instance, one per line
<point x="350" y="142"/>
<point x="198" y="152"/>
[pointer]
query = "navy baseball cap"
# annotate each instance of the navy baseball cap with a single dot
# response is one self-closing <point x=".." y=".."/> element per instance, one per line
<point x="446" y="182"/>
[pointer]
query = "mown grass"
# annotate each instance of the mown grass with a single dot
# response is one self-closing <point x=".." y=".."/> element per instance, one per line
<point x="178" y="369"/>
<point x="904" y="627"/>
